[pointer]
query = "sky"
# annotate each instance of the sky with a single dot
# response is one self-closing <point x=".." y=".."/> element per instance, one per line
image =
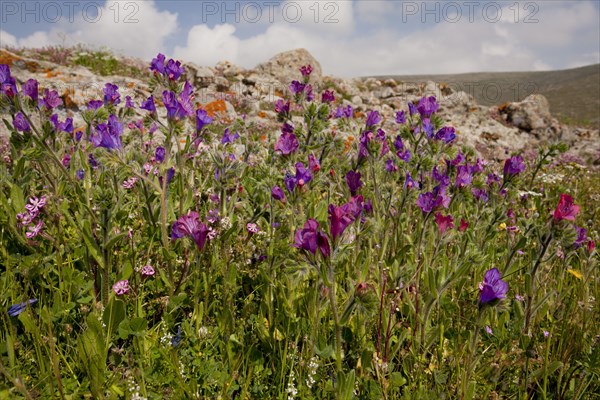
<point x="349" y="38"/>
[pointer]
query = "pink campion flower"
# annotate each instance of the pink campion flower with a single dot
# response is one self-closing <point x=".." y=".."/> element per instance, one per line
<point x="34" y="230"/>
<point x="121" y="287"/>
<point x="566" y="210"/>
<point x="35" y="204"/>
<point x="444" y="222"/>
<point x="130" y="183"/>
<point x="252" y="228"/>
<point x="147" y="270"/>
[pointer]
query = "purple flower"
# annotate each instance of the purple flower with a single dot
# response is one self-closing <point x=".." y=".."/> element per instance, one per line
<point x="446" y="134"/>
<point x="17" y="309"/>
<point x="174" y="110"/>
<point x="412" y="109"/>
<point x="121" y="287"/>
<point x="290" y="182"/>
<point x="190" y="225"/>
<point x="353" y="181"/>
<point x="430" y="201"/>
<point x="287" y="128"/>
<point x="306" y="70"/>
<point x="463" y="176"/>
<point x="158" y="64"/>
<point x="128" y="102"/>
<point x="282" y="108"/>
<point x="409" y="182"/>
<point x="344" y="112"/>
<point x="277" y="193"/>
<point x="7" y="82"/>
<point x="229" y="138"/>
<point x="108" y="135"/>
<point x="581" y="237"/>
<point x="297" y="87"/>
<point x="34" y="230"/>
<point x="30" y="88"/>
<point x="492" y="178"/>
<point x="398" y="144"/>
<point x="111" y="94"/>
<point x="94" y="104"/>
<point x="390" y="166"/>
<point x="427" y="106"/>
<point x="400" y="117"/>
<point x="313" y="163"/>
<point x="308" y="93"/>
<point x="202" y="119"/>
<point x="311" y="238"/>
<point x="303" y="175"/>
<point x="286" y="144"/>
<point x="159" y="154"/>
<point x="460" y="157"/>
<point x="513" y="166"/>
<point x="66" y="126"/>
<point x="441" y="178"/>
<point x="20" y="123"/>
<point x="173" y="70"/>
<point x="492" y="288"/>
<point x="80" y="174"/>
<point x="341" y="217"/>
<point x="66" y="161"/>
<point x="149" y="105"/>
<point x="328" y="96"/>
<point x="51" y="99"/>
<point x="480" y="194"/>
<point x="373" y="118"/>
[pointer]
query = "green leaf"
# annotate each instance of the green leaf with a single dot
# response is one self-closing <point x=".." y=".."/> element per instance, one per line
<point x="114" y="314"/>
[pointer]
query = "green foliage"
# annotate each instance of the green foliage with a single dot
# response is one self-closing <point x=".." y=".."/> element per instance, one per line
<point x="129" y="307"/>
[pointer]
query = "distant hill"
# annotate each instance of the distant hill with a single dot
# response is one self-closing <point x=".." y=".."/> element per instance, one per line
<point x="573" y="94"/>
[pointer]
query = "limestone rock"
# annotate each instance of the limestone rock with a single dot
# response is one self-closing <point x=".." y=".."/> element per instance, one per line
<point x="285" y="66"/>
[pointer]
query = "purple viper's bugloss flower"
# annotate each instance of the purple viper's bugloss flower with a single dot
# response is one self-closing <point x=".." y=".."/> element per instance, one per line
<point x="173" y="70"/>
<point x="277" y="193"/>
<point x="290" y="182"/>
<point x="306" y="70"/>
<point x="328" y="96"/>
<point x="311" y="238"/>
<point x="353" y="181"/>
<point x="373" y="118"/>
<point x="149" y="105"/>
<point x="581" y="237"/>
<point x="108" y="135"/>
<point x="443" y="222"/>
<point x="282" y="108"/>
<point x="159" y="154"/>
<point x="51" y="99"/>
<point x="190" y="225"/>
<point x="480" y="194"/>
<point x="492" y="288"/>
<point x="202" y="119"/>
<point x="428" y="128"/>
<point x="7" y="82"/>
<point x="229" y="137"/>
<point x="94" y="104"/>
<point x="158" y="64"/>
<point x="286" y="144"/>
<point x="513" y="166"/>
<point x="297" y="87"/>
<point x="427" y="106"/>
<point x="30" y="89"/>
<point x="128" y="102"/>
<point x="303" y="175"/>
<point x="412" y="109"/>
<point x="111" y="94"/>
<point x="400" y="117"/>
<point x="390" y="166"/>
<point x="313" y="164"/>
<point x="463" y="176"/>
<point x="447" y="134"/>
<point x="20" y="122"/>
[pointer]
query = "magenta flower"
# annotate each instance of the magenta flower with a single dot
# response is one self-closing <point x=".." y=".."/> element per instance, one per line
<point x="390" y="166"/>
<point x="492" y="288"/>
<point x="111" y="94"/>
<point x="311" y="238"/>
<point x="34" y="230"/>
<point x="444" y="222"/>
<point x="121" y="287"/>
<point x="353" y="181"/>
<point x="303" y="175"/>
<point x="252" y="228"/>
<point x="287" y="143"/>
<point x="313" y="163"/>
<point x="342" y="216"/>
<point x="328" y="96"/>
<point x="306" y="70"/>
<point x="190" y="225"/>
<point x="20" y="123"/>
<point x="147" y="270"/>
<point x="566" y="209"/>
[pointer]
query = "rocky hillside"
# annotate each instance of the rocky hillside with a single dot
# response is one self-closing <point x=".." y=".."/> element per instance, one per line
<point x="494" y="131"/>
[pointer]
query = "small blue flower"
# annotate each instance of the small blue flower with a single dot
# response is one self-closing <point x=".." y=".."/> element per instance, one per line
<point x="17" y="309"/>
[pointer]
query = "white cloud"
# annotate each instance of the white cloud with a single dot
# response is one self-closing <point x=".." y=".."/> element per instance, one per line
<point x="6" y="39"/>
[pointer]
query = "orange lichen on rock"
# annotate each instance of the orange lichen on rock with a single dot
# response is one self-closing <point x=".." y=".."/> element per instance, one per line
<point x="215" y="107"/>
